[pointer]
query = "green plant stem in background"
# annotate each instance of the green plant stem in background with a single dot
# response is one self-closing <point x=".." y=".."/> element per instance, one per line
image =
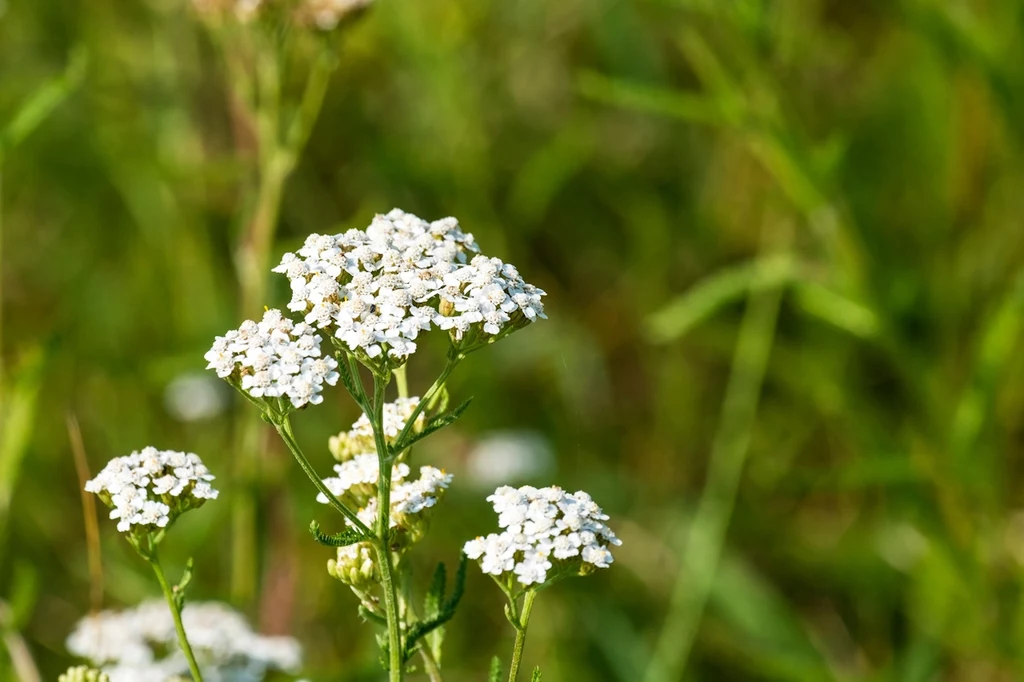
<point x="154" y="561"/>
<point x="523" y="622"/>
<point x="277" y="159"/>
<point x="383" y="542"/>
<point x="701" y="550"/>
<point x="430" y="666"/>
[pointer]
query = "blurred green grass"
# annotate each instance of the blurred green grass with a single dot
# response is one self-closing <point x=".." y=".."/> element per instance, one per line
<point x="632" y="159"/>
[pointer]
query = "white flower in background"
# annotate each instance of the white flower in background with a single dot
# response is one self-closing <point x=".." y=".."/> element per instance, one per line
<point x="148" y="489"/>
<point x="140" y="644"/>
<point x="359" y="439"/>
<point x="193" y="397"/>
<point x="327" y="14"/>
<point x="548" y="534"/>
<point x="508" y="457"/>
<point x="274" y="358"/>
<point x="377" y="289"/>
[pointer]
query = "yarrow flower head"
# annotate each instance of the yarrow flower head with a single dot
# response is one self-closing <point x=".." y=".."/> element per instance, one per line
<point x="548" y="534"/>
<point x="376" y="289"/>
<point x="359" y="439"/>
<point x="149" y="489"/>
<point x="140" y="644"/>
<point x="274" y="360"/>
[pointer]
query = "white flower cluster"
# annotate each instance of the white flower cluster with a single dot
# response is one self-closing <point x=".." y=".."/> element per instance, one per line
<point x="356" y="481"/>
<point x="411" y="497"/>
<point x="407" y="497"/>
<point x="359" y="439"/>
<point x="130" y="645"/>
<point x="377" y="289"/>
<point x="548" y="534"/>
<point x="274" y="358"/>
<point x="487" y="293"/>
<point x="150" y="488"/>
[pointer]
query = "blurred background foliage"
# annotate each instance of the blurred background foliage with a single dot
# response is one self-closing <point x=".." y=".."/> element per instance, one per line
<point x="783" y="247"/>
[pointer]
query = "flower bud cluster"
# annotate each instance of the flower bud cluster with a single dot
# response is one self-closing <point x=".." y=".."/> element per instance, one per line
<point x="147" y="490"/>
<point x="140" y="644"/>
<point x="356" y="566"/>
<point x="549" y="534"/>
<point x="359" y="439"/>
<point x="274" y="358"/>
<point x="377" y="289"/>
<point x="81" y="673"/>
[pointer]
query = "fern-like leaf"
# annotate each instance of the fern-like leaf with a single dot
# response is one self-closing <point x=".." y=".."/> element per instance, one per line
<point x="349" y="536"/>
<point x="445" y="611"/>
<point x="495" y="674"/>
<point x="433" y="424"/>
<point x="536" y="675"/>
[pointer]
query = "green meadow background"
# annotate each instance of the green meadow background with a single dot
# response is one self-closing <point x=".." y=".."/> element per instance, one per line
<point x="783" y="244"/>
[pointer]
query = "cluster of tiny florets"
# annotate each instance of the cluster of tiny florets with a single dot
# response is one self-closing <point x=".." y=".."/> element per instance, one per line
<point x="274" y="358"/>
<point x="377" y="289"/>
<point x="148" y="489"/>
<point x="356" y="482"/>
<point x="359" y="439"/>
<point x="140" y="644"/>
<point x="407" y="497"/>
<point x="411" y="501"/>
<point x="548" y="533"/>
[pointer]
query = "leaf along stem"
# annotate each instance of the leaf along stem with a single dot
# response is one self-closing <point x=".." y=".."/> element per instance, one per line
<point x="154" y="561"/>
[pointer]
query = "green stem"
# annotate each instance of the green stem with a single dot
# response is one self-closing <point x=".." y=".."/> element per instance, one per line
<point x="284" y="427"/>
<point x="383" y="542"/>
<point x="154" y="561"/>
<point x="524" y="621"/>
<point x="428" y="398"/>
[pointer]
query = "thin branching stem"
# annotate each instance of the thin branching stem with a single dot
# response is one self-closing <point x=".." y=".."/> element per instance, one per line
<point x="284" y="427"/>
<point x="523" y="619"/>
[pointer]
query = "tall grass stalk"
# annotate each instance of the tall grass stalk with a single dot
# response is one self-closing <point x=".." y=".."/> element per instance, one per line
<point x="700" y="550"/>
